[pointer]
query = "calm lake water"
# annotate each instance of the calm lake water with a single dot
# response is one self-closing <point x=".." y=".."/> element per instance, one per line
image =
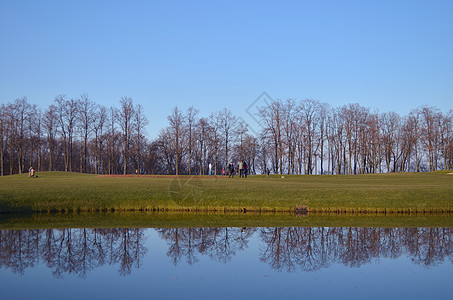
<point x="227" y="263"/>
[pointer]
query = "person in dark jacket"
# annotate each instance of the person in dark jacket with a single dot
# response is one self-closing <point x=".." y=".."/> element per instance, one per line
<point x="231" y="170"/>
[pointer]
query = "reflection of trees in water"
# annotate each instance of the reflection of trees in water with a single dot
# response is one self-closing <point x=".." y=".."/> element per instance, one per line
<point x="315" y="248"/>
<point x="18" y="249"/>
<point x="72" y="251"/>
<point x="292" y="247"/>
<point x="78" y="251"/>
<point x="220" y="244"/>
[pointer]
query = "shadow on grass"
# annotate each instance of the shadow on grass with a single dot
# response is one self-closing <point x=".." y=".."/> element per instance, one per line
<point x="8" y="204"/>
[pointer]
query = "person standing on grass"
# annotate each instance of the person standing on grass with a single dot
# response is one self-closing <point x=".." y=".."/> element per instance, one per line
<point x="223" y="171"/>
<point x="240" y="167"/>
<point x="231" y="170"/>
<point x="245" y="169"/>
<point x="210" y="169"/>
<point x="267" y="172"/>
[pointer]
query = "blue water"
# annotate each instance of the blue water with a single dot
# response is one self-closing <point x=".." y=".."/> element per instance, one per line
<point x="227" y="263"/>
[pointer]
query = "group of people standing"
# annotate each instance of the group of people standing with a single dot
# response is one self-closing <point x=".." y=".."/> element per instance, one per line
<point x="241" y="167"/>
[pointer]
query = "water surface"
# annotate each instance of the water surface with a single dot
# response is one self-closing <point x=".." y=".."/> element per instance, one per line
<point x="227" y="262"/>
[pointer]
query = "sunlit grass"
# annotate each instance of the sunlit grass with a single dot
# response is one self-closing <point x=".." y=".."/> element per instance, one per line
<point x="59" y="191"/>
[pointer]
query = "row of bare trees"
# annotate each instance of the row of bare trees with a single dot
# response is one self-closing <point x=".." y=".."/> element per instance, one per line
<point x="72" y="135"/>
<point x="189" y="144"/>
<point x="79" y="251"/>
<point x="296" y="137"/>
<point x="310" y="137"/>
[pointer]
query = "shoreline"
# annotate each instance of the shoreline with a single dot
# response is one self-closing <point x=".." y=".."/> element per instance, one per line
<point x="219" y="219"/>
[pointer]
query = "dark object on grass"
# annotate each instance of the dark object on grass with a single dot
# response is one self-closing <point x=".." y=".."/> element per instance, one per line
<point x="301" y="210"/>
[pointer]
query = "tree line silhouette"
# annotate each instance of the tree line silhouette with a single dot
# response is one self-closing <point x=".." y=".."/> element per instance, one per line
<point x="290" y="249"/>
<point x="293" y="137"/>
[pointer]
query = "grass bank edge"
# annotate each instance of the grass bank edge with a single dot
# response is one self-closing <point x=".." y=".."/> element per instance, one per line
<point x="202" y="219"/>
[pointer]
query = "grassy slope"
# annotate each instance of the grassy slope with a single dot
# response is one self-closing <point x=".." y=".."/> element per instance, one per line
<point x="376" y="192"/>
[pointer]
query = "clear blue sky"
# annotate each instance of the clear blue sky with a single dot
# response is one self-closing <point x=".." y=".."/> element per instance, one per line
<point x="388" y="55"/>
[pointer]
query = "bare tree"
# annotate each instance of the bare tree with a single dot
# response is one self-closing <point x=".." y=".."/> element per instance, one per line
<point x="271" y="118"/>
<point x="250" y="148"/>
<point x="190" y="123"/>
<point x="215" y="136"/>
<point x="323" y="113"/>
<point x="203" y="129"/>
<point x="140" y="123"/>
<point x="164" y="149"/>
<point x="429" y="133"/>
<point x="373" y="131"/>
<point x="290" y="129"/>
<point x="445" y="135"/>
<point x="86" y="113"/>
<point x="408" y="139"/>
<point x="337" y="141"/>
<point x="35" y="129"/>
<point x="3" y="137"/>
<point x="228" y="126"/>
<point x="414" y="121"/>
<point x="240" y="131"/>
<point x="10" y="129"/>
<point x="309" y="111"/>
<point x="67" y="112"/>
<point x="98" y="128"/>
<point x="111" y="140"/>
<point x="23" y="113"/>
<point x="125" y="118"/>
<point x="177" y="131"/>
<point x="390" y="123"/>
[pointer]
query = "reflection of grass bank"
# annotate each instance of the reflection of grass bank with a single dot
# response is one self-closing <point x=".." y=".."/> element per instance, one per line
<point x="211" y="220"/>
<point x="58" y="191"/>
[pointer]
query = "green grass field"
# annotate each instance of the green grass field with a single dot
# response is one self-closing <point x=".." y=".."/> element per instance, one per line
<point x="382" y="193"/>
